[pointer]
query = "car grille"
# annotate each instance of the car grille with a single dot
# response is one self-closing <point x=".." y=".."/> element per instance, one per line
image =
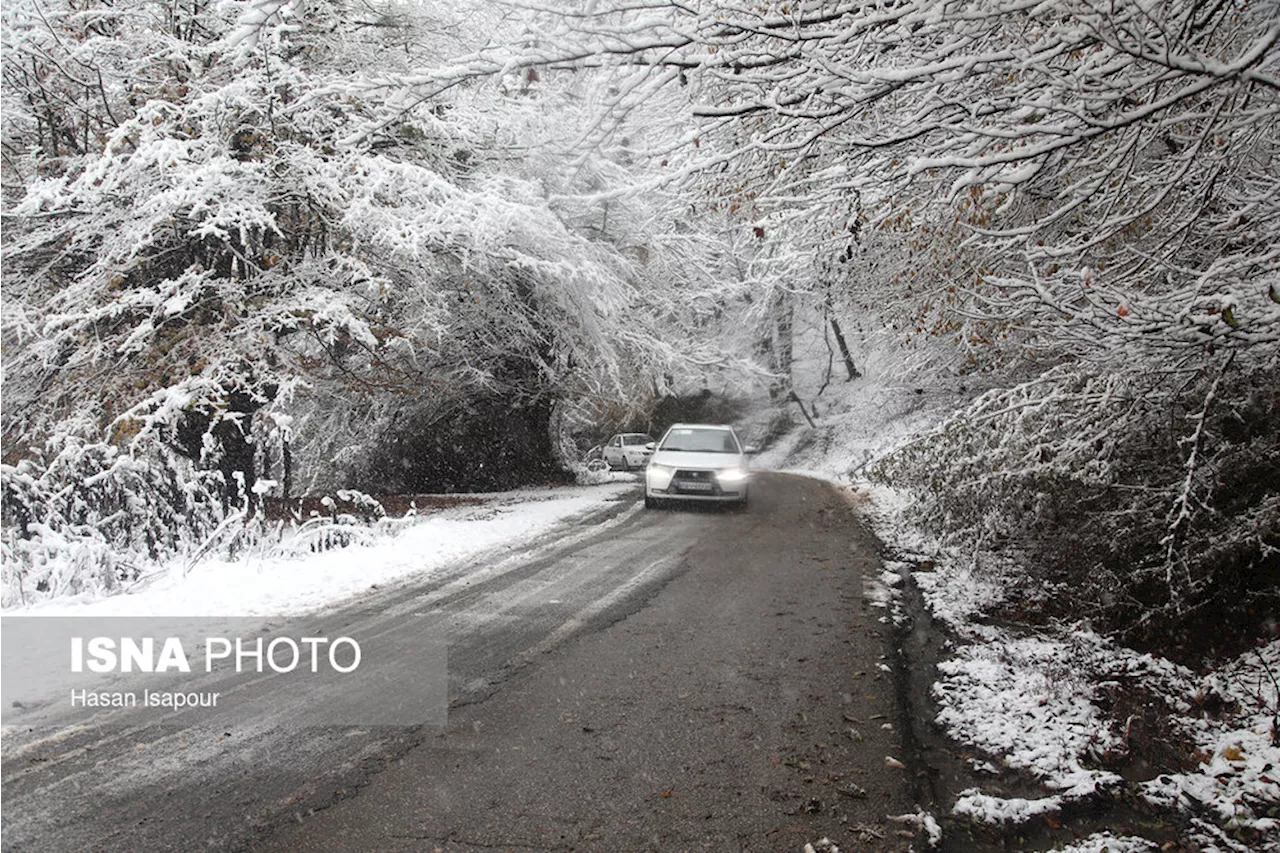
<point x="683" y="480"/>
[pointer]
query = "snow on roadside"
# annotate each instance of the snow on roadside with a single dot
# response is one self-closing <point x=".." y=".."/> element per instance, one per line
<point x="1032" y="699"/>
<point x="925" y="823"/>
<point x="280" y="584"/>
<point x="1105" y="842"/>
<point x="885" y="591"/>
<point x="998" y="811"/>
<point x="956" y="593"/>
<point x="1022" y="700"/>
<point x="1238" y="781"/>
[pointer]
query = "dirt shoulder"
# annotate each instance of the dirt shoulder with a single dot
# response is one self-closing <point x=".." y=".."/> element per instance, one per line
<point x="744" y="708"/>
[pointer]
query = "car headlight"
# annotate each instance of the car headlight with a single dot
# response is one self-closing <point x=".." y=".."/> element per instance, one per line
<point x="659" y="476"/>
<point x="732" y="475"/>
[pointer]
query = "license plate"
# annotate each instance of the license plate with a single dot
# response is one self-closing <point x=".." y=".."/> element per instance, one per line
<point x="695" y="487"/>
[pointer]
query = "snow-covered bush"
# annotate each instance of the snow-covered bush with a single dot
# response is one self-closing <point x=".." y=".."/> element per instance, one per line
<point x="82" y="515"/>
<point x="1146" y="500"/>
<point x="352" y="518"/>
<point x="232" y="237"/>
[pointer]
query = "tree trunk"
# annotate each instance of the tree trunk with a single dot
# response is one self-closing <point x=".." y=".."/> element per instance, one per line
<point x="238" y="454"/>
<point x="794" y="397"/>
<point x="778" y="345"/>
<point x="286" y="462"/>
<point x="849" y="366"/>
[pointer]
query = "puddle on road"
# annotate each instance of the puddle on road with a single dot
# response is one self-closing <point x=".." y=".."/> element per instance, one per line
<point x="942" y="769"/>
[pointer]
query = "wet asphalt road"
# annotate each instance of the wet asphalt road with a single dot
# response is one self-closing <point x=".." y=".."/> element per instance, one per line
<point x="654" y="680"/>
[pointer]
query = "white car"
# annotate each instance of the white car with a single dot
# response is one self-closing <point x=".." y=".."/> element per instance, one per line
<point x="628" y="450"/>
<point x="698" y="462"/>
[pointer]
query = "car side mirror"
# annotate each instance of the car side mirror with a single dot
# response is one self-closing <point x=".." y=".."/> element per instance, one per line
<point x="750" y="449"/>
<point x="653" y="445"/>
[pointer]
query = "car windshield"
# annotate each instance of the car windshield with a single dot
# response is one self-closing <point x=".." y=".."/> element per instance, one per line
<point x="701" y="441"/>
<point x="636" y="439"/>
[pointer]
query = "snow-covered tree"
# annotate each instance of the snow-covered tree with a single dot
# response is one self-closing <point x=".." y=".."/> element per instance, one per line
<point x="1081" y="195"/>
<point x="230" y="255"/>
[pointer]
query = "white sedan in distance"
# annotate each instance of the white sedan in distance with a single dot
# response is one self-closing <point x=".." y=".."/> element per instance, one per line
<point x="698" y="462"/>
<point x="628" y="450"/>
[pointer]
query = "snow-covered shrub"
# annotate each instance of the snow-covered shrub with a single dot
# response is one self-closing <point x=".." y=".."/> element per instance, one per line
<point x="83" y="515"/>
<point x="1148" y="500"/>
<point x="351" y="518"/>
<point x="244" y="247"/>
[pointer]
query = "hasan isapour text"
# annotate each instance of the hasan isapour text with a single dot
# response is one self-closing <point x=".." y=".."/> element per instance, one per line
<point x="81" y="698"/>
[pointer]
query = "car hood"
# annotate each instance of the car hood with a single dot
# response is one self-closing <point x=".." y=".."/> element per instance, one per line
<point x="686" y="459"/>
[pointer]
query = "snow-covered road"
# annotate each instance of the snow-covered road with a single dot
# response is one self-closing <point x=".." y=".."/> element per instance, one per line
<point x="496" y="583"/>
<point x="788" y="632"/>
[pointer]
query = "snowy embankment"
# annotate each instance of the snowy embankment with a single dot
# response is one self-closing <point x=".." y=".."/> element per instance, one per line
<point x="310" y="570"/>
<point x="1043" y="701"/>
<point x="289" y="577"/>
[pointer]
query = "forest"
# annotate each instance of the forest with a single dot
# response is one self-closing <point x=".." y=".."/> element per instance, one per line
<point x="263" y="249"/>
